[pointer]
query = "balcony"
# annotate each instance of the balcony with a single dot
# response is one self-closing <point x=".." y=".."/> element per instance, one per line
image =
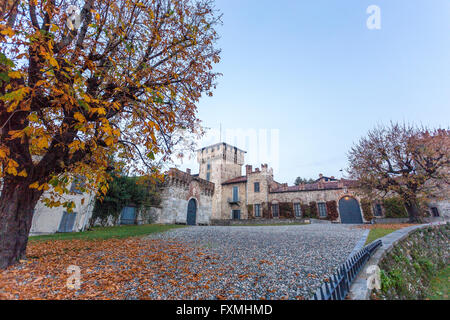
<point x="233" y="201"/>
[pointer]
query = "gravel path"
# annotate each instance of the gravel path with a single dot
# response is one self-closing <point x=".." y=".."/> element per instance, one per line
<point x="262" y="262"/>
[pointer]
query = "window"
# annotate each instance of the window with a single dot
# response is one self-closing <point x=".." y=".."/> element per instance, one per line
<point x="236" y="214"/>
<point x="297" y="210"/>
<point x="257" y="210"/>
<point x="434" y="212"/>
<point x="235" y="194"/>
<point x="322" y="210"/>
<point x="256" y="186"/>
<point x="275" y="210"/>
<point x="377" y="210"/>
<point x="208" y="172"/>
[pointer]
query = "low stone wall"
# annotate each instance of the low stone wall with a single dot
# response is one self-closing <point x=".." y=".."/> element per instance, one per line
<point x="407" y="258"/>
<point x="406" y="270"/>
<point x="406" y="220"/>
<point x="217" y="222"/>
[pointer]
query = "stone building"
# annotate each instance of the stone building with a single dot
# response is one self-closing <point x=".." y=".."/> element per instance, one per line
<point x="51" y="220"/>
<point x="220" y="193"/>
<point x="185" y="199"/>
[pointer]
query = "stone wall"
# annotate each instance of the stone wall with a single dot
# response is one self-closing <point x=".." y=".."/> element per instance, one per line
<point x="224" y="162"/>
<point x="318" y="196"/>
<point x="227" y="194"/>
<point x="180" y="187"/>
<point x="47" y="220"/>
<point x="265" y="179"/>
<point x="443" y="207"/>
<point x="406" y="270"/>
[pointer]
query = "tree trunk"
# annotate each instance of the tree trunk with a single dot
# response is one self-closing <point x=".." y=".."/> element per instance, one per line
<point x="17" y="202"/>
<point x="413" y="211"/>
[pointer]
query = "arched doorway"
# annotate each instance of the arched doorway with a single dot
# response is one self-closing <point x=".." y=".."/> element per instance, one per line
<point x="191" y="218"/>
<point x="350" y="211"/>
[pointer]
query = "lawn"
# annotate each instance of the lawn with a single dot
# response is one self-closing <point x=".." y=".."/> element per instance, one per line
<point x="380" y="230"/>
<point x="439" y="285"/>
<point x="375" y="234"/>
<point x="101" y="233"/>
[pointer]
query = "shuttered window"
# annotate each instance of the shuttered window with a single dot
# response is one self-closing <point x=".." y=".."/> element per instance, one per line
<point x="275" y="210"/>
<point x="297" y="210"/>
<point x="322" y="210"/>
<point x="235" y="194"/>
<point x="257" y="210"/>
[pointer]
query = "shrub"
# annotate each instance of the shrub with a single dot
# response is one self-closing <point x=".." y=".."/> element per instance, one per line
<point x="306" y="211"/>
<point x="286" y="210"/>
<point x="265" y="210"/>
<point x="250" y="211"/>
<point x="366" y="206"/>
<point x="394" y="208"/>
<point x="123" y="191"/>
<point x="332" y="210"/>
<point x="314" y="212"/>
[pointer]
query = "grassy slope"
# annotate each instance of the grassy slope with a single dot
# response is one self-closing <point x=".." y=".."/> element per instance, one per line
<point x="440" y="285"/>
<point x="108" y="232"/>
<point x="375" y="234"/>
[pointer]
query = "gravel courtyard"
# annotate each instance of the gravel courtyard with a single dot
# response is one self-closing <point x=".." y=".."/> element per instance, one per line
<point x="262" y="262"/>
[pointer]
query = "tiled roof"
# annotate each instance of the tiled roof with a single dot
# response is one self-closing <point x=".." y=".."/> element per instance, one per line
<point x="236" y="180"/>
<point x="317" y="186"/>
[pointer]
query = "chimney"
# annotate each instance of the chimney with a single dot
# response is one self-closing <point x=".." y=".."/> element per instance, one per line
<point x="320" y="176"/>
<point x="332" y="177"/>
<point x="188" y="171"/>
<point x="248" y="169"/>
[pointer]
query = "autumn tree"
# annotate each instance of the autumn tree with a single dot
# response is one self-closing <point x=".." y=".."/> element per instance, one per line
<point x="82" y="81"/>
<point x="402" y="160"/>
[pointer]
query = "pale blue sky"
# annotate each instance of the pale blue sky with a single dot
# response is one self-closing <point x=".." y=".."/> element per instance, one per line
<point x="313" y="71"/>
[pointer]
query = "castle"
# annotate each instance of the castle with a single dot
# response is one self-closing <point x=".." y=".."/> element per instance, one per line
<point x="219" y="192"/>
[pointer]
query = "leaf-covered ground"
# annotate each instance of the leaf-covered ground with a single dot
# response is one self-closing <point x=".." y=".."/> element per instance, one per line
<point x="282" y="262"/>
<point x="110" y="269"/>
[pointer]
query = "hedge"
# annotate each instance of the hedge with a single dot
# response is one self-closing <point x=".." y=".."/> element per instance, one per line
<point x="332" y="210"/>
<point x="286" y="210"/>
<point x="250" y="211"/>
<point x="314" y="212"/>
<point x="366" y="206"/>
<point x="306" y="211"/>
<point x="394" y="208"/>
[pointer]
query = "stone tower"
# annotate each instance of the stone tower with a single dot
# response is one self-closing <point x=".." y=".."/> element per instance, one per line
<point x="219" y="163"/>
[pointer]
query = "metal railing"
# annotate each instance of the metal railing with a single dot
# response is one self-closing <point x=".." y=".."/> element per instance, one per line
<point x="339" y="283"/>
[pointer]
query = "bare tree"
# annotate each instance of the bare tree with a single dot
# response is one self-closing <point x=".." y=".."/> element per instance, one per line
<point x="405" y="160"/>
